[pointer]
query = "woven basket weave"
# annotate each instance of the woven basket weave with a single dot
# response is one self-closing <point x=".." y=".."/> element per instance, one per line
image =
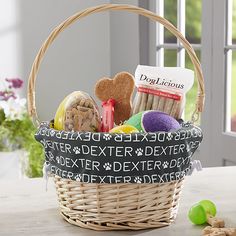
<point x="117" y="206"/>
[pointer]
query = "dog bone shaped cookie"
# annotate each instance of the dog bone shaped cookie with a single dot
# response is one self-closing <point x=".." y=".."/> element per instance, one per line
<point x="121" y="89"/>
<point x="209" y="231"/>
<point x="215" y="222"/>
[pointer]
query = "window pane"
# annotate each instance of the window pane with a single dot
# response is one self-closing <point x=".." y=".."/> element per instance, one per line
<point x="234" y="22"/>
<point x="193" y="20"/>
<point x="233" y="93"/>
<point x="191" y="95"/>
<point x="170" y="57"/>
<point x="170" y="13"/>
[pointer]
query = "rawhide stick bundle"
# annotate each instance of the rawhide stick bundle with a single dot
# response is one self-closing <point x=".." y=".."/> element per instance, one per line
<point x="162" y="89"/>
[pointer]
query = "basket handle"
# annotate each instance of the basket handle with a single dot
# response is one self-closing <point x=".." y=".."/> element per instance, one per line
<point x="118" y="7"/>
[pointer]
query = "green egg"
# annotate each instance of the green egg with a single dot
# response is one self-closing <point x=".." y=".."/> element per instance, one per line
<point x="209" y="207"/>
<point x="197" y="214"/>
<point x="135" y="121"/>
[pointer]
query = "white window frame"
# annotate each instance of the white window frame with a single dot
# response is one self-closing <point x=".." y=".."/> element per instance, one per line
<point x="161" y="45"/>
<point x="219" y="145"/>
<point x="223" y="141"/>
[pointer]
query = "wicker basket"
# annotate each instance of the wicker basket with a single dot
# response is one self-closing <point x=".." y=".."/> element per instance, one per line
<point x="117" y="206"/>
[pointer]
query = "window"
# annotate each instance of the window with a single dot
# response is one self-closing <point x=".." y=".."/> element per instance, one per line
<point x="230" y="49"/>
<point x="210" y="26"/>
<point x="186" y="15"/>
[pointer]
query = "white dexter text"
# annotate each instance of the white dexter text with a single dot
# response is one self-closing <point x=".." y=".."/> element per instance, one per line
<point x="62" y="147"/>
<point x="107" y="151"/>
<point x="78" y="163"/>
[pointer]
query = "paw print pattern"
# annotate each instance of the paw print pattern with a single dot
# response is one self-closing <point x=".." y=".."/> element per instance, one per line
<point x="107" y="166"/>
<point x="76" y="150"/>
<point x="139" y="152"/>
<point x="52" y="132"/>
<point x="169" y="136"/>
<point x="107" y="137"/>
<point x="58" y="159"/>
<point x="51" y="156"/>
<point x="197" y="131"/>
<point x="78" y="177"/>
<point x="165" y="164"/>
<point x="186" y="125"/>
<point x="137" y="180"/>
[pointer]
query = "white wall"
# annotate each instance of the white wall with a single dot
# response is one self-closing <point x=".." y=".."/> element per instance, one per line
<point x="124" y="39"/>
<point x="78" y="57"/>
<point x="96" y="46"/>
<point x="10" y="65"/>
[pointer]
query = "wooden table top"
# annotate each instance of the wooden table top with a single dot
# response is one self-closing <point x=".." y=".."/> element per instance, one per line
<point x="27" y="209"/>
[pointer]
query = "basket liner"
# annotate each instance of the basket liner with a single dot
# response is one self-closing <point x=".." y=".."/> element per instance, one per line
<point x="120" y="158"/>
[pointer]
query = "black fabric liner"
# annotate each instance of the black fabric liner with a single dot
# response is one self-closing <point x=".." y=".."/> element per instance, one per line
<point x="120" y="158"/>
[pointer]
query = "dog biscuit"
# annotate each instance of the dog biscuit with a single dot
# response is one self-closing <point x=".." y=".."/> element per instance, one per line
<point x="121" y="89"/>
<point x="215" y="222"/>
<point x="210" y="231"/>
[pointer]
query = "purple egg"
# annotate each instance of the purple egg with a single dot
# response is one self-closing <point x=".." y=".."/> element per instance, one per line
<point x="154" y="121"/>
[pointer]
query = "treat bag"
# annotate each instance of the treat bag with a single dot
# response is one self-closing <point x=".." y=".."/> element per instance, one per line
<point x="78" y="112"/>
<point x="162" y="89"/>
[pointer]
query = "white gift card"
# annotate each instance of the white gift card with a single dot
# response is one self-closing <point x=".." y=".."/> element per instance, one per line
<point x="176" y="79"/>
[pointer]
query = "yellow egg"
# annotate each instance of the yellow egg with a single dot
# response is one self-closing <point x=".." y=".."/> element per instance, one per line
<point x="77" y="112"/>
<point x="60" y="114"/>
<point x="124" y="129"/>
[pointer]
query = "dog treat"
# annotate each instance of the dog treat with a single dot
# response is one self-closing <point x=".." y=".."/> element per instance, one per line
<point x="121" y="89"/>
<point x="143" y="102"/>
<point x="155" y="103"/>
<point x="161" y="104"/>
<point x="210" y="231"/>
<point x="77" y="112"/>
<point x="162" y="89"/>
<point x="215" y="222"/>
<point x="175" y="109"/>
<point x="149" y="102"/>
<point x="168" y="105"/>
<point x="137" y="103"/>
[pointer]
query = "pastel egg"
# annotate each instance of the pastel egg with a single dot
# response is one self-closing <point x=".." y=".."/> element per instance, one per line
<point x="154" y="121"/>
<point x="77" y="112"/>
<point x="124" y="129"/>
<point x="136" y="121"/>
<point x="197" y="215"/>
